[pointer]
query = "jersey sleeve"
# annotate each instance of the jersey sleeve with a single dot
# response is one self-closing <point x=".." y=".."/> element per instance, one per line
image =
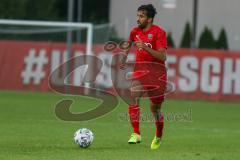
<point x="132" y="35"/>
<point x="161" y="40"/>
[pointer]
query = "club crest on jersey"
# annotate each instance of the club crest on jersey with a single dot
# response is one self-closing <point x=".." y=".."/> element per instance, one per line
<point x="150" y="36"/>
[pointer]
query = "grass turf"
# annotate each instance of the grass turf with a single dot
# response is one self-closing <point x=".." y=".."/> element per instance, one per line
<point x="29" y="130"/>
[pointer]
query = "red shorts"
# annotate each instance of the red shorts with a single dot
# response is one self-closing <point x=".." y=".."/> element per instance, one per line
<point x="153" y="80"/>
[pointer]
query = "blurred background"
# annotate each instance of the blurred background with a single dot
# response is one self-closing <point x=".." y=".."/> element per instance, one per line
<point x="189" y="23"/>
<point x="203" y="41"/>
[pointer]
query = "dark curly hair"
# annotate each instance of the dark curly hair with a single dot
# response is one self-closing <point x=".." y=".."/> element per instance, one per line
<point x="150" y="10"/>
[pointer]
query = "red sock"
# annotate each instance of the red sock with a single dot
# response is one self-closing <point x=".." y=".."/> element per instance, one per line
<point x="134" y="113"/>
<point x="159" y="122"/>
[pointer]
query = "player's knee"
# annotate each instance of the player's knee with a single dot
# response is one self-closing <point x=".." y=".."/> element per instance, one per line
<point x="135" y="95"/>
<point x="155" y="107"/>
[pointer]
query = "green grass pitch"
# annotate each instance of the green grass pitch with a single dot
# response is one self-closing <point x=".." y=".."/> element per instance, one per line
<point x="29" y="130"/>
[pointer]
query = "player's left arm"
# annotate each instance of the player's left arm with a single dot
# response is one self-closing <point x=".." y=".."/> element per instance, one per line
<point x="161" y="46"/>
<point x="160" y="54"/>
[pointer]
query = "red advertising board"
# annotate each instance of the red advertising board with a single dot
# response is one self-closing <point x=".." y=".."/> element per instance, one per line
<point x="194" y="74"/>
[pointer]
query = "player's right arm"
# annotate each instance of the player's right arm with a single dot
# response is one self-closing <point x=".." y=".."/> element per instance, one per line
<point x="125" y="52"/>
<point x="127" y="49"/>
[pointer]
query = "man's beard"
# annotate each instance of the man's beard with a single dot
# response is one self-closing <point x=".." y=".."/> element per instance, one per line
<point x="142" y="25"/>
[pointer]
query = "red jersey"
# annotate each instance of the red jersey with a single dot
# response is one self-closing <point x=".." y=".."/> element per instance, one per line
<point x="154" y="38"/>
<point x="152" y="76"/>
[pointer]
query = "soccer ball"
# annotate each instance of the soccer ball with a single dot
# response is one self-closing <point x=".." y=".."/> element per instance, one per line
<point x="83" y="137"/>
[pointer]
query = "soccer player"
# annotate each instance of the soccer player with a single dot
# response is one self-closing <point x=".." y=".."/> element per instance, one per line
<point x="151" y="45"/>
